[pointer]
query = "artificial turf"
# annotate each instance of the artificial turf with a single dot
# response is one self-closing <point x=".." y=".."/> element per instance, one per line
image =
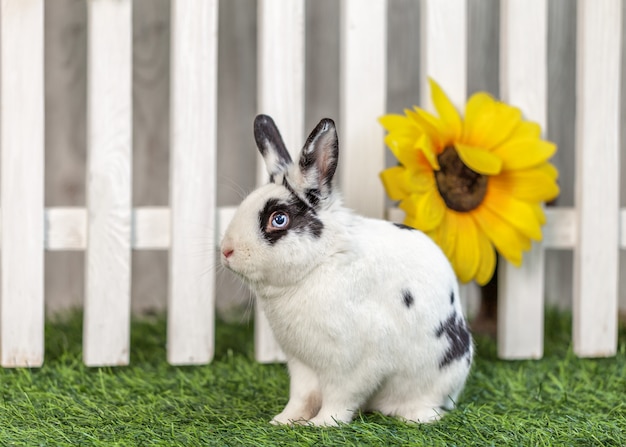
<point x="560" y="400"/>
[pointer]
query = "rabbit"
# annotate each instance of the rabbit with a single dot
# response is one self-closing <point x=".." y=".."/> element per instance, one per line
<point x="366" y="311"/>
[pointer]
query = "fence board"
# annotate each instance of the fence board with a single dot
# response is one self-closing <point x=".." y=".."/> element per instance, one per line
<point x="191" y="314"/>
<point x="596" y="270"/>
<point x="622" y="232"/>
<point x="444" y="49"/>
<point x="151" y="228"/>
<point x="523" y="83"/>
<point x="66" y="228"/>
<point x="363" y="88"/>
<point x="280" y="71"/>
<point x="280" y="92"/>
<point x="560" y="231"/>
<point x="22" y="151"/>
<point x="109" y="141"/>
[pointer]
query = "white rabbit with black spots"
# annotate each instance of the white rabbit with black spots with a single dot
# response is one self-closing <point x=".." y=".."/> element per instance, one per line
<point x="366" y="311"/>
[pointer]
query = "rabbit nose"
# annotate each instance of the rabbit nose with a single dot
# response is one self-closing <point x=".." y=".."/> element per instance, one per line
<point x="227" y="252"/>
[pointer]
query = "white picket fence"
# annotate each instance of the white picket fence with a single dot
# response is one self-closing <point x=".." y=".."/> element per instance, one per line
<point x="109" y="228"/>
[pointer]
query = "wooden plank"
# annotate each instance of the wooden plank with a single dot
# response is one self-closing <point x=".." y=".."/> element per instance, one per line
<point x="22" y="151"/>
<point x="363" y="89"/>
<point x="109" y="142"/>
<point x="444" y="49"/>
<point x="622" y="243"/>
<point x="523" y="83"/>
<point x="560" y="231"/>
<point x="66" y="228"/>
<point x="280" y="71"/>
<point x="151" y="228"/>
<point x="191" y="319"/>
<point x="596" y="272"/>
<point x="280" y="90"/>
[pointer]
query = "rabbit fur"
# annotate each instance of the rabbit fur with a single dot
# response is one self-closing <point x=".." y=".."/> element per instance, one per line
<point x="366" y="311"/>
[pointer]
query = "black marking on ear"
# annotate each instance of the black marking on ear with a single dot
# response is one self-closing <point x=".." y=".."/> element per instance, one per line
<point x="403" y="227"/>
<point x="407" y="298"/>
<point x="271" y="145"/>
<point x="459" y="339"/>
<point x="452" y="297"/>
<point x="302" y="219"/>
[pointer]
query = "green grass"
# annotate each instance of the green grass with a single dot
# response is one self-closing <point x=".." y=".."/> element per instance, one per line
<point x="560" y="400"/>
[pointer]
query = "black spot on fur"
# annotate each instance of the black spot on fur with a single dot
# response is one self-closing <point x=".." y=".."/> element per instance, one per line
<point x="459" y="338"/>
<point x="302" y="219"/>
<point x="452" y="297"/>
<point x="403" y="227"/>
<point x="407" y="298"/>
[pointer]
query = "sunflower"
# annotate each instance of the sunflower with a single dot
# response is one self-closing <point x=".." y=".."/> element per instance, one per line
<point x="474" y="184"/>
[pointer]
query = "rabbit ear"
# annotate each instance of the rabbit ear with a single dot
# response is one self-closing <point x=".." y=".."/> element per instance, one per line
<point x="318" y="160"/>
<point x="271" y="146"/>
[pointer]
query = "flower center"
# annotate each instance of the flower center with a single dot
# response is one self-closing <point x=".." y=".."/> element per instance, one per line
<point x="461" y="188"/>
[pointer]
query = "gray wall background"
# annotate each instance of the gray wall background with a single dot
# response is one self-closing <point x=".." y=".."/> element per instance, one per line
<point x="65" y="84"/>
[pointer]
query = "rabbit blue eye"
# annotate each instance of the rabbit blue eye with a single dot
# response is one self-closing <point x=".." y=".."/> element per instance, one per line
<point x="279" y="220"/>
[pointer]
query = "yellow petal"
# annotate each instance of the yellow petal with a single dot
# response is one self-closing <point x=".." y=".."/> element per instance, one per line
<point x="466" y="254"/>
<point x="508" y="241"/>
<point x="403" y="133"/>
<point x="539" y="214"/>
<point x="524" y="153"/>
<point x="400" y="182"/>
<point x="428" y="124"/>
<point x="444" y="235"/>
<point x="516" y="212"/>
<point x="393" y="122"/>
<point x="526" y="130"/>
<point x="421" y="179"/>
<point x="478" y="110"/>
<point x="430" y="210"/>
<point x="409" y="206"/>
<point x="488" y="122"/>
<point x="424" y="211"/>
<point x="531" y="185"/>
<point x="487" y="259"/>
<point x="479" y="160"/>
<point x="447" y="112"/>
<point x="403" y="148"/>
<point x="394" y="182"/>
<point x="448" y="234"/>
<point x="549" y="169"/>
<point x="426" y="146"/>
